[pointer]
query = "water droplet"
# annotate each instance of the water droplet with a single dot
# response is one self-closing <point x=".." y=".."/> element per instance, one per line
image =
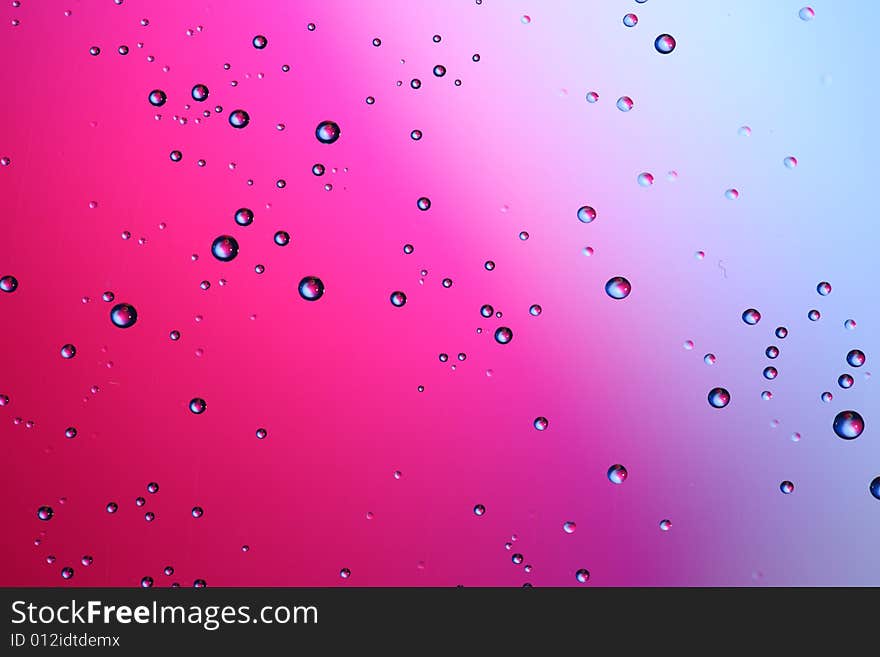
<point x="618" y="287"/>
<point x="624" y="103"/>
<point x="327" y="132"/>
<point x="94" y="51"/>
<point x="479" y="510"/>
<point x="856" y="358"/>
<point x="710" y="359"/>
<point x="112" y="507"/>
<point x="688" y="345"/>
<point x="786" y="487"/>
<point x="67" y="572"/>
<point x="665" y="525"/>
<point x="447" y="282"/>
<point x="377" y="42"/>
<point x="503" y="335"/>
<point x="790" y="162"/>
<point x="244" y="216"/>
<point x="849" y="324"/>
<point x="199" y="584"/>
<point x="157" y="98"/>
<point x="146" y="582"/>
<point x="525" y="19"/>
<point x="541" y="423"/>
<point x="8" y="284"/>
<point x="260" y="42"/>
<point x="424" y="203"/>
<point x="152" y="488"/>
<point x="475" y="57"/>
<point x="398" y="298"/>
<point x="535" y="310"/>
<point x="751" y="316"/>
<point x="814" y="315"/>
<point x="582" y="575"/>
<point x="439" y="70"/>
<point x="45" y="513"/>
<point x="239" y="119"/>
<point x="781" y="332"/>
<point x="345" y="573"/>
<point x="645" y="179"/>
<point x="806" y="13"/>
<point x="586" y="214"/>
<point x="197" y="405"/>
<point x="140" y="501"/>
<point x="719" y="397"/>
<point x="664" y="44"/>
<point x="489" y="265"/>
<point x="617" y="474"/>
<point x="123" y="315"/>
<point x="630" y="20"/>
<point x="592" y="97"/>
<point x="523" y="236"/>
<point x="826" y="397"/>
<point x="517" y="558"/>
<point x="848" y="425"/>
<point x="569" y="527"/>
<point x="845" y="381"/>
<point x="199" y="93"/>
<point x="771" y="351"/>
<point x="261" y="433"/>
<point x="87" y="560"/>
<point x="770" y="373"/>
<point x="68" y="351"/>
<point x="224" y="248"/>
<point x="486" y="310"/>
<point x="874" y="488"/>
<point x="311" y="288"/>
<point x="408" y="248"/>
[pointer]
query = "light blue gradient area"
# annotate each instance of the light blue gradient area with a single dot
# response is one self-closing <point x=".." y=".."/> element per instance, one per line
<point x="807" y="89"/>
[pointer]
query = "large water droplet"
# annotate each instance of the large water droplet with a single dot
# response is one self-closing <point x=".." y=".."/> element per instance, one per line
<point x="586" y="214"/>
<point x="848" y="425"/>
<point x="199" y="93"/>
<point x="617" y="474"/>
<point x="856" y="358"/>
<point x="8" y="284"/>
<point x="541" y="423"/>
<point x="664" y="44"/>
<point x="239" y="119"/>
<point x="718" y="397"/>
<point x="874" y="488"/>
<point x="618" y="287"/>
<point x="157" y="98"/>
<point x="424" y="203"/>
<point x="123" y="315"/>
<point x="311" y="288"/>
<point x="398" y="299"/>
<point x="260" y="42"/>
<point x="569" y="527"/>
<point x="224" y="248"/>
<point x="786" y="487"/>
<point x="624" y="103"/>
<point x="197" y="512"/>
<point x="503" y="335"/>
<point x="327" y="132"/>
<point x="45" y="513"/>
<point x="68" y="351"/>
<point x="479" y="510"/>
<point x="582" y="575"/>
<point x="751" y="316"/>
<point x="806" y="13"/>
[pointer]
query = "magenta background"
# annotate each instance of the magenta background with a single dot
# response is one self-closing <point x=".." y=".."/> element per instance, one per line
<point x="335" y="382"/>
